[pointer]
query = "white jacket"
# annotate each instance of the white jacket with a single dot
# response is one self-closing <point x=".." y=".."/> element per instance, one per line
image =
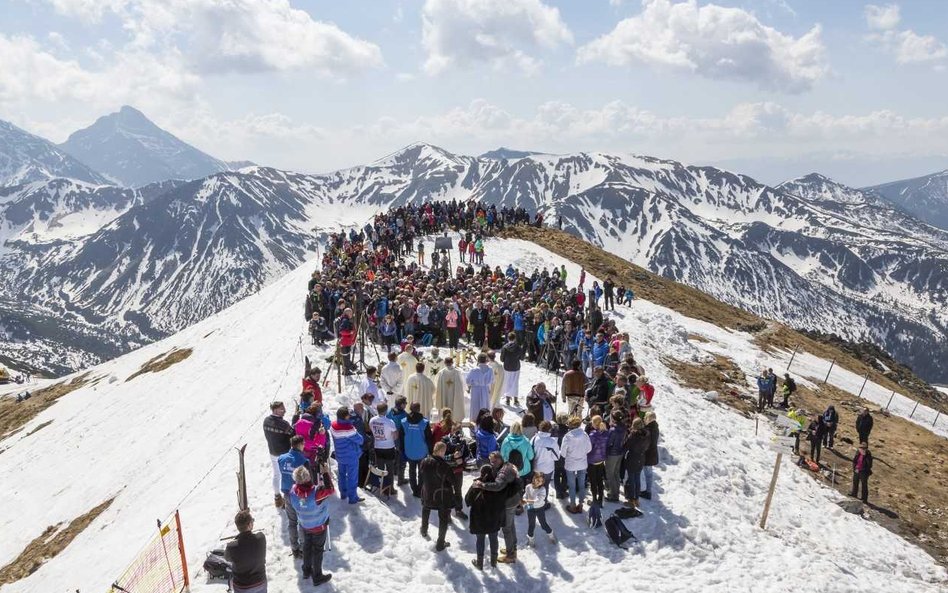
<point x="576" y="446"/>
<point x="390" y="379"/>
<point x="546" y="451"/>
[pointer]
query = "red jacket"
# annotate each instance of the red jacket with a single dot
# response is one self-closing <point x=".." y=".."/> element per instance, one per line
<point x="310" y="385"/>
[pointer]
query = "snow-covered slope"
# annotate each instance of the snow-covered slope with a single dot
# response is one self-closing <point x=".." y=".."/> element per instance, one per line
<point x="925" y="197"/>
<point x="25" y="158"/>
<point x="130" y="149"/>
<point x="164" y="441"/>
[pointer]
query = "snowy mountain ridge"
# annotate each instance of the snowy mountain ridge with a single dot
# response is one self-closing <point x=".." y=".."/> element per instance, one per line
<point x="925" y="197"/>
<point x="25" y="158"/>
<point x="809" y="252"/>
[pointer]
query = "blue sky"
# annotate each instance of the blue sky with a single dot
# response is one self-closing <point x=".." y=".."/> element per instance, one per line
<point x="774" y="88"/>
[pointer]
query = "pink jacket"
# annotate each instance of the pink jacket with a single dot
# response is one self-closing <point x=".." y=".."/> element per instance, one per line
<point x="303" y="428"/>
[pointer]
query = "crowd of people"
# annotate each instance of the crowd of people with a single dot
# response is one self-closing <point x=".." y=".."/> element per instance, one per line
<point x="454" y="338"/>
<point x="454" y="335"/>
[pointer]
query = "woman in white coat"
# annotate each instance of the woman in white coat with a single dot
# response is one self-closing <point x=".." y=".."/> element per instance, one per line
<point x="575" y="447"/>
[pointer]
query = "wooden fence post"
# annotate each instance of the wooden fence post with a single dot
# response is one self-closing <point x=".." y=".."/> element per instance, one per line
<point x="866" y="380"/>
<point x="792" y="356"/>
<point x="913" y="410"/>
<point x="890" y="401"/>
<point x="832" y="364"/>
<point x="770" y="491"/>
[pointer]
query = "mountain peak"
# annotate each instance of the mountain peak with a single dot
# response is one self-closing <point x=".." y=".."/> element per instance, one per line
<point x="503" y="153"/>
<point x="131" y="149"/>
<point x="25" y="158"/>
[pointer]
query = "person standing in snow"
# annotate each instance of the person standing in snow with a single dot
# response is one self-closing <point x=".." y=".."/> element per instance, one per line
<point x="510" y="356"/>
<point x="384" y="439"/>
<point x="487" y="517"/>
<point x="309" y="501"/>
<point x="415" y="436"/>
<point x="651" y="454"/>
<point x="763" y="389"/>
<point x="609" y="290"/>
<point x="636" y="443"/>
<point x="370" y="385"/>
<point x="862" y="469"/>
<point x="788" y="388"/>
<point x="506" y="481"/>
<point x="406" y="361"/>
<point x="420" y="390"/>
<point x="615" y="452"/>
<point x="288" y="463"/>
<point x="486" y="440"/>
<point x="534" y="501"/>
<point x="497" y="386"/>
<point x="348" y="445"/>
<point x="479" y="381"/>
<point x="574" y="450"/>
<point x="277" y="432"/>
<point x="516" y="449"/>
<point x="397" y="414"/>
<point x="546" y="452"/>
<point x="596" y="458"/>
<point x="449" y="390"/>
<point x="574" y="386"/>
<point x="437" y="493"/>
<point x="390" y="380"/>
<point x="540" y="402"/>
<point x="247" y="554"/>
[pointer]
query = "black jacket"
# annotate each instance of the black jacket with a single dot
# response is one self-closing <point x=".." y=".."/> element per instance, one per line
<point x="510" y="356"/>
<point x="437" y="483"/>
<point x="866" y="464"/>
<point x="636" y="443"/>
<point x="598" y="392"/>
<point x="864" y="424"/>
<point x="651" y="454"/>
<point x="487" y="510"/>
<point x="816" y="430"/>
<point x="247" y="554"/>
<point x="278" y="432"/>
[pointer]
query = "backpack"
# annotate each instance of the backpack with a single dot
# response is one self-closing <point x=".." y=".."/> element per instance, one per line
<point x="216" y="566"/>
<point x="594" y="518"/>
<point x="617" y="531"/>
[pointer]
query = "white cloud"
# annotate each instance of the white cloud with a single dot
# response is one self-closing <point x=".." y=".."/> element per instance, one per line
<point x="500" y="33"/>
<point x="712" y="41"/>
<point x="882" y="18"/>
<point x="235" y="35"/>
<point x="33" y="73"/>
<point x="907" y="46"/>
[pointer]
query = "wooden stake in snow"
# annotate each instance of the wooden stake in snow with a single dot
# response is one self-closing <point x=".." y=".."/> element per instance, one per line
<point x="832" y="364"/>
<point x="866" y="380"/>
<point x="770" y="491"/>
<point x="792" y="356"/>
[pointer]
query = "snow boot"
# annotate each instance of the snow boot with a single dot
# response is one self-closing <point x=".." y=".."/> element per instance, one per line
<point x="646" y="495"/>
<point x="478" y="563"/>
<point x="441" y="546"/>
<point x="516" y="402"/>
<point x="552" y="537"/>
<point x="508" y="402"/>
<point x="508" y="558"/>
<point x="461" y="515"/>
<point x="319" y="579"/>
<point x="278" y="501"/>
<point x="531" y="541"/>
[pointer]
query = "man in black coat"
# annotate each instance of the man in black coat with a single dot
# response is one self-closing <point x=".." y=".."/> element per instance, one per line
<point x="609" y="291"/>
<point x="277" y="432"/>
<point x="510" y="356"/>
<point x="864" y="425"/>
<point x="598" y="392"/>
<point x="437" y="493"/>
<point x="247" y="554"/>
<point x="479" y="323"/>
<point x="862" y="469"/>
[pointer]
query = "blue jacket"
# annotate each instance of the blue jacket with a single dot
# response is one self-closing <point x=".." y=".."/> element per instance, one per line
<point x="518" y="321"/>
<point x="381" y="308"/>
<point x="347" y="442"/>
<point x="765" y="385"/>
<point x="486" y="443"/>
<point x="599" y="352"/>
<point x="311" y="509"/>
<point x="616" y="443"/>
<point x="287" y="463"/>
<point x="415" y="438"/>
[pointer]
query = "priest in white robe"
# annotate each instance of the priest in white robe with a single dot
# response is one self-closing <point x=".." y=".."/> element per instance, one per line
<point x="498" y="386"/>
<point x="420" y="388"/>
<point x="450" y="390"/>
<point x="479" y="380"/>
<point x="407" y="360"/>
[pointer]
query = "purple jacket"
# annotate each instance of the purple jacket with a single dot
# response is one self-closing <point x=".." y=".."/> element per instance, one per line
<point x="599" y="440"/>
